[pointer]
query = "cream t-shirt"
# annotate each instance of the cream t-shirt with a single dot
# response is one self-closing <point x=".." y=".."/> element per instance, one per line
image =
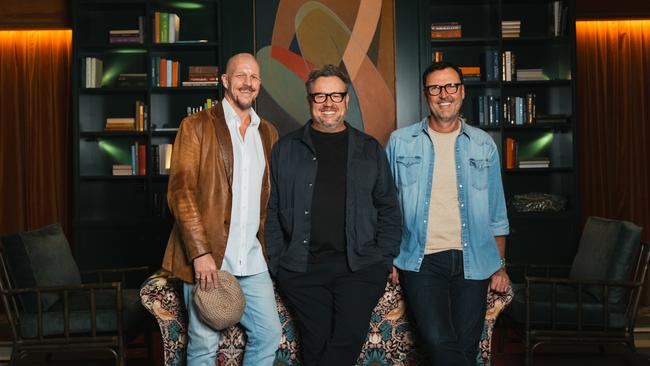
<point x="443" y="223"/>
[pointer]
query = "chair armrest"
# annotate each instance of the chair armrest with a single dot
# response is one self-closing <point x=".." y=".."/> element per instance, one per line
<point x="518" y="271"/>
<point x="117" y="275"/>
<point x="567" y="281"/>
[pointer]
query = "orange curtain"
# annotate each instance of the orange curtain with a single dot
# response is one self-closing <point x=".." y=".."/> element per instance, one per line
<point x="613" y="64"/>
<point x="35" y="147"/>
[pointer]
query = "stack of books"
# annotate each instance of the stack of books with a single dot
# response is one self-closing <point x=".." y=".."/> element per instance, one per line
<point x="202" y="76"/>
<point x="510" y="28"/>
<point x="551" y="118"/>
<point x="128" y="35"/>
<point x="122" y="169"/>
<point x="131" y="80"/>
<point x="166" y="27"/>
<point x="120" y="124"/>
<point x="542" y="162"/>
<point x="91" y="72"/>
<point x="446" y="30"/>
<point x="530" y="75"/>
<point x="471" y="73"/>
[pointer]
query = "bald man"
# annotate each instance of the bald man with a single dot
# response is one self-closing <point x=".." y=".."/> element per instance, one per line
<point x="218" y="192"/>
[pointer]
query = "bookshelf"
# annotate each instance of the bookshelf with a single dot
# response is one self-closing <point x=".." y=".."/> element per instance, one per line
<point x="123" y="220"/>
<point x="541" y="36"/>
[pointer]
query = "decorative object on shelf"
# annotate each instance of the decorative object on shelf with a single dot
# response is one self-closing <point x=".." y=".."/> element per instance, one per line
<point x="537" y="202"/>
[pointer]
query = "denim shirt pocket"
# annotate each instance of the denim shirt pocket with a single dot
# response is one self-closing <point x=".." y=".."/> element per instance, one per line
<point x="479" y="173"/>
<point x="408" y="168"/>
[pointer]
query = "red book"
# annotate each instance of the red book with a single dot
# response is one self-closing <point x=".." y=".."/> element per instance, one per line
<point x="163" y="72"/>
<point x="142" y="160"/>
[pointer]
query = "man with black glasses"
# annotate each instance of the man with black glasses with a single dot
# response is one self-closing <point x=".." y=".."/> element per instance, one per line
<point x="333" y="224"/>
<point x="449" y="185"/>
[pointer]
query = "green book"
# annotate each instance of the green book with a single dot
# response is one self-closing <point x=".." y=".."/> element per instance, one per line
<point x="164" y="27"/>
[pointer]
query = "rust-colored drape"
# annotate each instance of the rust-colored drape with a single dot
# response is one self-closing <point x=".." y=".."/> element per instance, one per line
<point x="35" y="158"/>
<point x="613" y="65"/>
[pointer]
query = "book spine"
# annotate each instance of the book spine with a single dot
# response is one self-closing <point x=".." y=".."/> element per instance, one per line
<point x="142" y="159"/>
<point x="164" y="28"/>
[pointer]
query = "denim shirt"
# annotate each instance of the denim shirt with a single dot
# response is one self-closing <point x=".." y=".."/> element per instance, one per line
<point x="482" y="205"/>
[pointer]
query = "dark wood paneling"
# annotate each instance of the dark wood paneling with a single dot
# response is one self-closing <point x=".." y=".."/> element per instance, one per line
<point x="35" y="14"/>
<point x="607" y="9"/>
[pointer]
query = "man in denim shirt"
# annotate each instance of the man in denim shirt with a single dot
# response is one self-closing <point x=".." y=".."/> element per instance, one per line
<point x="453" y="240"/>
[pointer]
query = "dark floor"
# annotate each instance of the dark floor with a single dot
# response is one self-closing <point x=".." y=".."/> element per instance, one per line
<point x="512" y="354"/>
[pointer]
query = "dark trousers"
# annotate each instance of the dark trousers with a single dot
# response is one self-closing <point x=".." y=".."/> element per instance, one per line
<point x="448" y="309"/>
<point x="333" y="307"/>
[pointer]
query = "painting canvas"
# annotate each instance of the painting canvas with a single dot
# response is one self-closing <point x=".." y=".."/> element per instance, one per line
<point x="293" y="37"/>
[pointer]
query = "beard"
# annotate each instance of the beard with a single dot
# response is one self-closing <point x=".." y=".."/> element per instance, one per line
<point x="240" y="102"/>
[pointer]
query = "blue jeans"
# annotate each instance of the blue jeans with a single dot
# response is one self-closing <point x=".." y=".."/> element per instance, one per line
<point x="448" y="309"/>
<point x="260" y="320"/>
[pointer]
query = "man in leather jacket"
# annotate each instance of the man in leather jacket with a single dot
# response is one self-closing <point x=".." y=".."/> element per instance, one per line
<point x="218" y="192"/>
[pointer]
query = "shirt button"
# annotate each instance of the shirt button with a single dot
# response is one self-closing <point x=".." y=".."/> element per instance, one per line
<point x="306" y="212"/>
<point x="460" y="186"/>
<point x="458" y="166"/>
<point x="462" y="205"/>
<point x="425" y="221"/>
<point x="463" y="224"/>
<point x="465" y="244"/>
<point x="310" y="184"/>
<point x="314" y="158"/>
<point x="304" y="241"/>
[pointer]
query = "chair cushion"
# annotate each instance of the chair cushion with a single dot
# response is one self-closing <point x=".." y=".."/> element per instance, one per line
<point x="597" y="243"/>
<point x="566" y="310"/>
<point x="41" y="258"/>
<point x="606" y="252"/>
<point x="80" y="315"/>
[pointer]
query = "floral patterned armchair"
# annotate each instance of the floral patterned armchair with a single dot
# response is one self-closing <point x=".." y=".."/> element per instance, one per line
<point x="390" y="341"/>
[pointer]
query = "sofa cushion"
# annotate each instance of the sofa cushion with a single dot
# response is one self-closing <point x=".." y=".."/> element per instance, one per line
<point x="41" y="258"/>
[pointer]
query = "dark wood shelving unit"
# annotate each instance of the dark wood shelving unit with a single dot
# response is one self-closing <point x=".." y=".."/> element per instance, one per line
<point x="535" y="237"/>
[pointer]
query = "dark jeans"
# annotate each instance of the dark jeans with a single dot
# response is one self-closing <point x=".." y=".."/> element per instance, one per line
<point x="448" y="309"/>
<point x="333" y="307"/>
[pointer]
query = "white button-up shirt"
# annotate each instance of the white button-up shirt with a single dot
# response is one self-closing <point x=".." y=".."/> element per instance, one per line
<point x="244" y="255"/>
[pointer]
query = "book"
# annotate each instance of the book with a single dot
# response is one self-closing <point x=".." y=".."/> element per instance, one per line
<point x="142" y="159"/>
<point x="511" y="153"/>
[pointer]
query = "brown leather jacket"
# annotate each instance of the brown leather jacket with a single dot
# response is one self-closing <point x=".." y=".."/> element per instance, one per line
<point x="199" y="192"/>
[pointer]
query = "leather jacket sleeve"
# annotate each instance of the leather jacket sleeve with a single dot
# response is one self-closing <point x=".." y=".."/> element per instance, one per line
<point x="182" y="191"/>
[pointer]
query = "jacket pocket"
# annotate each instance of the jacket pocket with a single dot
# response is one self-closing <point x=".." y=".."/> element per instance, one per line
<point x="408" y="168"/>
<point x="479" y="173"/>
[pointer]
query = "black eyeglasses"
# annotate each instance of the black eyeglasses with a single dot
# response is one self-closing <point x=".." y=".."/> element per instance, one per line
<point x="450" y="88"/>
<point x="320" y="98"/>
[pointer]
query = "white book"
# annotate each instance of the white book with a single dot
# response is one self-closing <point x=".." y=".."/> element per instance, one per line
<point x="170" y="64"/>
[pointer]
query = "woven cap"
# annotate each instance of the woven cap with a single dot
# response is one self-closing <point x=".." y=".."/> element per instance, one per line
<point x="223" y="306"/>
